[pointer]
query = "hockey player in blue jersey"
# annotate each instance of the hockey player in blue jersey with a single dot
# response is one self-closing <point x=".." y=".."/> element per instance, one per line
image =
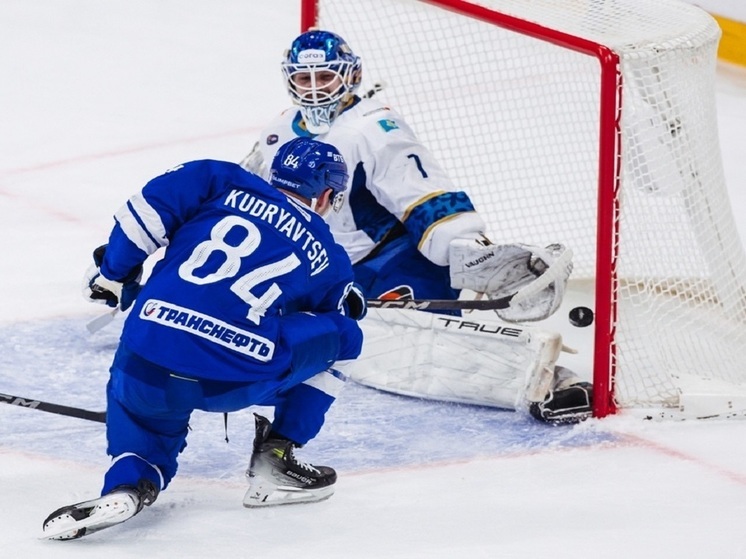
<point x="412" y="233"/>
<point x="252" y="303"/>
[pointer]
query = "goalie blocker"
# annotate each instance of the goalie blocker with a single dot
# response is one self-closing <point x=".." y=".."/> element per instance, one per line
<point x="482" y="362"/>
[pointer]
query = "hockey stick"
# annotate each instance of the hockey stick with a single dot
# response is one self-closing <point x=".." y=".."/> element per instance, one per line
<point x="441" y="304"/>
<point x="101" y="321"/>
<point x="98" y="416"/>
<point x="542" y="282"/>
<point x="552" y="273"/>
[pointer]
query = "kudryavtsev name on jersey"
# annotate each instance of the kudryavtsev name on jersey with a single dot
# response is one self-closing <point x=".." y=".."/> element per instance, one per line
<point x="285" y="223"/>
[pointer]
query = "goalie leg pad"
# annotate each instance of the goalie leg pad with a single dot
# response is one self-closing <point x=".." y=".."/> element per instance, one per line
<point x="455" y="359"/>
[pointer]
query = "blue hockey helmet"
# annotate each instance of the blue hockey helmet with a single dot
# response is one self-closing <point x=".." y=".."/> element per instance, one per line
<point x="307" y="167"/>
<point x="322" y="73"/>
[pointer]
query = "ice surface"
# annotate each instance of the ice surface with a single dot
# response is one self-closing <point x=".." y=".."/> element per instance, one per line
<point x="98" y="97"/>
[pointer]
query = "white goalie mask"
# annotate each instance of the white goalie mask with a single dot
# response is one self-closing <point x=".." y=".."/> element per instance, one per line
<point x="321" y="74"/>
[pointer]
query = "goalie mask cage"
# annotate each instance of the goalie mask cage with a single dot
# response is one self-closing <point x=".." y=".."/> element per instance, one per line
<point x="591" y="123"/>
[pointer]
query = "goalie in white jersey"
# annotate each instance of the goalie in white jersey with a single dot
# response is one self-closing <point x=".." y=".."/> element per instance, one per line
<point x="411" y="233"/>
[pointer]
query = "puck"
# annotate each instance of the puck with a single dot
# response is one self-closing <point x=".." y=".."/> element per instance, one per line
<point x="581" y="317"/>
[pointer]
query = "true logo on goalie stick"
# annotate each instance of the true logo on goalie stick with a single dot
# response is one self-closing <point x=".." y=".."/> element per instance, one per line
<point x="454" y="323"/>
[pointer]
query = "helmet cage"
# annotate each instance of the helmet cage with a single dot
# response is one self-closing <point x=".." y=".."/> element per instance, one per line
<point x="321" y="74"/>
<point x="321" y="89"/>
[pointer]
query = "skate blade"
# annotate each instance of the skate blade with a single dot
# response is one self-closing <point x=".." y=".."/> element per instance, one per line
<point x="282" y="495"/>
<point x="108" y="510"/>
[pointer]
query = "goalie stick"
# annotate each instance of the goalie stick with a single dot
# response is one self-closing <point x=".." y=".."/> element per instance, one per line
<point x="98" y="416"/>
<point x="551" y="274"/>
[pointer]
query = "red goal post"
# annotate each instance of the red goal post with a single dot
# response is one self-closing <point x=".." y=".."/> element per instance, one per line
<point x="593" y="124"/>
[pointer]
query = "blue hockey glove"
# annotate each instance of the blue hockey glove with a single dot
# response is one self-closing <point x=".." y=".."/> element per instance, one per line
<point x="99" y="289"/>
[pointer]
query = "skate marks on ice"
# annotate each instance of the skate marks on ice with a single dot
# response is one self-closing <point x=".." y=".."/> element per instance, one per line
<point x="58" y="361"/>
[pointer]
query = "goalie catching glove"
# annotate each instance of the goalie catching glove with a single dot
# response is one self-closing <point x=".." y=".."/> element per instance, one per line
<point x="99" y="289"/>
<point x="501" y="270"/>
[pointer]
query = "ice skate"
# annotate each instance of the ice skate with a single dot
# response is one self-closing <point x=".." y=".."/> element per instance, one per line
<point x="78" y="520"/>
<point x="75" y="521"/>
<point x="569" y="401"/>
<point x="277" y="477"/>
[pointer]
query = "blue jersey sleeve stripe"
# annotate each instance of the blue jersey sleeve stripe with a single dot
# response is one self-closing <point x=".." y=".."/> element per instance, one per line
<point x="141" y="223"/>
<point x="434" y="210"/>
<point x="135" y="230"/>
<point x="150" y="219"/>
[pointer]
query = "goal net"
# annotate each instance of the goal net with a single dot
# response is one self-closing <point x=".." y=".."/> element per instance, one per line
<point x="590" y="123"/>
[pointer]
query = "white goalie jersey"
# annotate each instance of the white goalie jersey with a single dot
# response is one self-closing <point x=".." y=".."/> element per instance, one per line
<point x="389" y="169"/>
